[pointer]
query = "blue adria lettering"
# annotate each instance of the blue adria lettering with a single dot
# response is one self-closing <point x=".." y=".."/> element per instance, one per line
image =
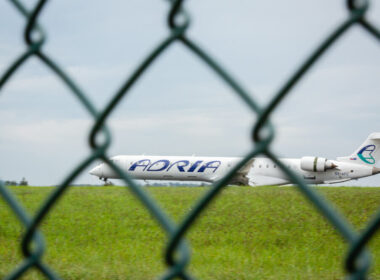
<point x="211" y="164"/>
<point x="141" y="163"/>
<point x="159" y="165"/>
<point x="194" y="166"/>
<point x="181" y="165"/>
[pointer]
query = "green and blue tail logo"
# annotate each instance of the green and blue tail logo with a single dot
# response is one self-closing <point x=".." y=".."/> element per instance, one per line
<point x="365" y="154"/>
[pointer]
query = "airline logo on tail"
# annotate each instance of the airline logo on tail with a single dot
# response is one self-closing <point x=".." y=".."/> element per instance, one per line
<point x="365" y="154"/>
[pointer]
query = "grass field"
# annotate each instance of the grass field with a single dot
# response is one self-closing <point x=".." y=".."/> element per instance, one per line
<point x="247" y="233"/>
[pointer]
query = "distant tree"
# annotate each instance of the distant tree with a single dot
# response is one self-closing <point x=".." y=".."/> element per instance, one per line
<point x="10" y="183"/>
<point x="23" y="182"/>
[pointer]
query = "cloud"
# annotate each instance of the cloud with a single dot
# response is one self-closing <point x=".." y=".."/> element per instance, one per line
<point x="45" y="134"/>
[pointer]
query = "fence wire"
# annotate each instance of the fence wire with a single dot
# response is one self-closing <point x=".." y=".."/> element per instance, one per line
<point x="177" y="253"/>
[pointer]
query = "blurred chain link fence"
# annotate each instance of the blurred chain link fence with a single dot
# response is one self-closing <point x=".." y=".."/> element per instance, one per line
<point x="177" y="253"/>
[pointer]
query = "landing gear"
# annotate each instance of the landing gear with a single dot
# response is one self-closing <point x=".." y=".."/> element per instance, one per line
<point x="106" y="182"/>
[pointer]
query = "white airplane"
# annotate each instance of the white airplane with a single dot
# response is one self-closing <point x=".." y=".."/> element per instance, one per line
<point x="256" y="172"/>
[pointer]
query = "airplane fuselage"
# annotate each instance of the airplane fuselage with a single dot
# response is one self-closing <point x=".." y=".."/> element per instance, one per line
<point x="261" y="171"/>
<point x="255" y="172"/>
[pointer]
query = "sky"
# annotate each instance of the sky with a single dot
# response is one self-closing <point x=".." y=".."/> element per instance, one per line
<point x="180" y="107"/>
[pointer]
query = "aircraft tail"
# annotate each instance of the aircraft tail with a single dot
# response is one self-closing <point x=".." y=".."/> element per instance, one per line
<point x="368" y="153"/>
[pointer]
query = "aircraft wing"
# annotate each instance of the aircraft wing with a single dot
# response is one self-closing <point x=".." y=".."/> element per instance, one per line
<point x="240" y="177"/>
<point x="337" y="181"/>
<point x="260" y="180"/>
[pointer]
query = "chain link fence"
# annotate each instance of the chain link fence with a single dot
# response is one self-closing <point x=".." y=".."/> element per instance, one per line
<point x="177" y="253"/>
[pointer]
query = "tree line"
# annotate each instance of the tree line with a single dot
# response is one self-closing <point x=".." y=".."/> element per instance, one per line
<point x="23" y="182"/>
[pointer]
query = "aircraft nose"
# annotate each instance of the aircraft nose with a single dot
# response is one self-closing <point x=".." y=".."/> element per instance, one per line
<point x="96" y="171"/>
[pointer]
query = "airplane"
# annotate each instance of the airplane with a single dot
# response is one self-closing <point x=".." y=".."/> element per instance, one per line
<point x="256" y="172"/>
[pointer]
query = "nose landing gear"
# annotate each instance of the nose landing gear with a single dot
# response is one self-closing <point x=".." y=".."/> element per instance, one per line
<point x="106" y="182"/>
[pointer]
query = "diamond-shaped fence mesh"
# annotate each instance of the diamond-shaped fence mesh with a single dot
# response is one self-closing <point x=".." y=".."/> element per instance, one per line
<point x="177" y="254"/>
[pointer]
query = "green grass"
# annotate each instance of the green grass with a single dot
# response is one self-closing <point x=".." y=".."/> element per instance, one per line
<point x="247" y="233"/>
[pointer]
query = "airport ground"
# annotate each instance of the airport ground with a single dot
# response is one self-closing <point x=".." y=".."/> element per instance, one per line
<point x="247" y="233"/>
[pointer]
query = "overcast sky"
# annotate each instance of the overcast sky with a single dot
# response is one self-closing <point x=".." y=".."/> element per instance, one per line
<point x="180" y="107"/>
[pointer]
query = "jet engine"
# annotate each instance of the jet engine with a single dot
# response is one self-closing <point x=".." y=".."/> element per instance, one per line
<point x="316" y="164"/>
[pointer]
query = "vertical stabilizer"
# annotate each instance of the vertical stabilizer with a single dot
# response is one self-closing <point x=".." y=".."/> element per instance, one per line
<point x="368" y="153"/>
